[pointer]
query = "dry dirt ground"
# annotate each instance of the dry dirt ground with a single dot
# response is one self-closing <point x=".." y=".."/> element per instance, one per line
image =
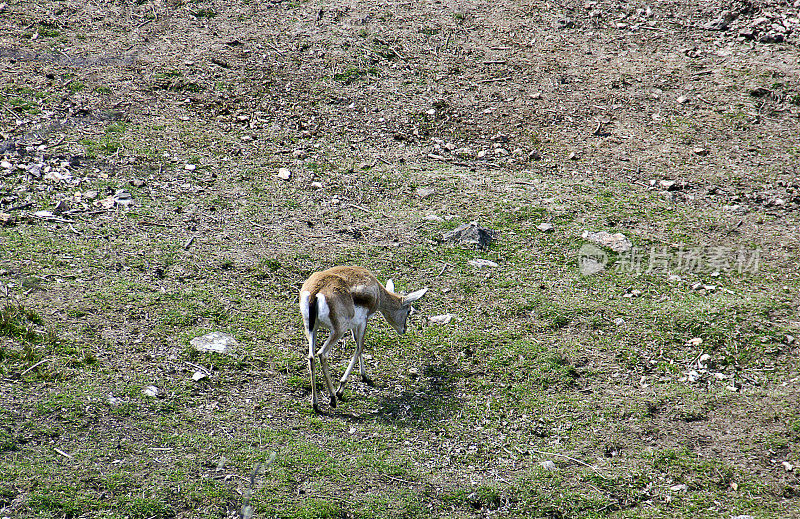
<point x="141" y="205"/>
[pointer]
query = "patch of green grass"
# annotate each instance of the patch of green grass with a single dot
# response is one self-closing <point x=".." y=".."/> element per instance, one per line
<point x="352" y="74"/>
<point x="18" y="322"/>
<point x="48" y="30"/>
<point x="75" y="86"/>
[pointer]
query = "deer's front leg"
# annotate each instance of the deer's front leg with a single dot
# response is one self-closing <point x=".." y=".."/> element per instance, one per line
<point x="358" y="337"/>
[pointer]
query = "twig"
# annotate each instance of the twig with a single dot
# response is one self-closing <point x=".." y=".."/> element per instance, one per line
<point x="62" y="453"/>
<point x="55" y="219"/>
<point x="155" y="224"/>
<point x="526" y="182"/>
<point x="33" y="367"/>
<point x="354" y="206"/>
<point x="18" y="207"/>
<point x="494" y="79"/>
<point x="201" y="368"/>
<point x="443" y="269"/>
<point x="596" y="471"/>
<point x="398" y="479"/>
<point x="188" y="243"/>
<point x="63" y="137"/>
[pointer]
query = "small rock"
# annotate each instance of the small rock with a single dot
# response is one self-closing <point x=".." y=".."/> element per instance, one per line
<point x="471" y="234"/>
<point x="619" y="321"/>
<point x="413" y="373"/>
<point x="722" y="23"/>
<point x="137" y="182"/>
<point x="433" y="218"/>
<point x="693" y="376"/>
<point x="705" y="357"/>
<point x="123" y="197"/>
<point x="573" y="156"/>
<point x="284" y="174"/>
<point x="789" y="339"/>
<point x="616" y="242"/>
<point x="61" y="207"/>
<point x="6" y="220"/>
<point x="480" y="263"/>
<point x="673" y="278"/>
<point x="246" y="138"/>
<point x="678" y="488"/>
<point x="788" y="467"/>
<point x="316" y="185"/>
<point x="720" y="376"/>
<point x="151" y="391"/>
<point x="548" y="465"/>
<point x="215" y="341"/>
<point x="772" y="37"/>
<point x="90" y="195"/>
<point x="546" y="227"/>
<point x="198" y="376"/>
<point x="190" y="167"/>
<point x="440" y="319"/>
<point x="425" y="192"/>
<point x="5" y="164"/>
<point x="682" y="100"/>
<point x="697" y="341"/>
<point x="700" y="151"/>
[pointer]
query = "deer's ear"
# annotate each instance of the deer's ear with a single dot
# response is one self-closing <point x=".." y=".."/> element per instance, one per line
<point x="390" y="285"/>
<point x="413" y="296"/>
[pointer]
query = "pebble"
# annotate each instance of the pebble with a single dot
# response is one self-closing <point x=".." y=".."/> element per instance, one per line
<point x="284" y="174"/>
<point x="548" y="465"/>
<point x="682" y="100"/>
<point x="425" y="192"/>
<point x="700" y="151"/>
<point x="482" y="263"/>
<point x="617" y="242"/>
<point x="190" y="167"/>
<point x="215" y="341"/>
<point x="546" y="227"/>
<point x="316" y="185"/>
<point x="151" y="391"/>
<point x="440" y="319"/>
<point x="788" y="467"/>
<point x="697" y="341"/>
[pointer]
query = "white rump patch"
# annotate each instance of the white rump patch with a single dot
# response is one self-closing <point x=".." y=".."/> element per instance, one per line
<point x="323" y="311"/>
<point x="304" y="297"/>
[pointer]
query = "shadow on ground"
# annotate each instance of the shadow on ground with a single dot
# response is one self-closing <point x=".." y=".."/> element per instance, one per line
<point x="433" y="399"/>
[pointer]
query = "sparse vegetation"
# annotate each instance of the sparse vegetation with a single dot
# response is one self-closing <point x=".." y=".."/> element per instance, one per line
<point x="634" y="392"/>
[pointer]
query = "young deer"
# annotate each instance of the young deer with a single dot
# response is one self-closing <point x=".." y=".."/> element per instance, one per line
<point x="341" y="299"/>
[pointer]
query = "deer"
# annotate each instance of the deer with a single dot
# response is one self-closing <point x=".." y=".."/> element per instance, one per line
<point x="344" y="298"/>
